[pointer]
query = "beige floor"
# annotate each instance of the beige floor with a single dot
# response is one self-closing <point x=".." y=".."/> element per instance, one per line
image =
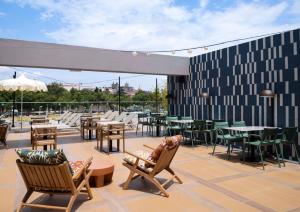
<point x="211" y="183"/>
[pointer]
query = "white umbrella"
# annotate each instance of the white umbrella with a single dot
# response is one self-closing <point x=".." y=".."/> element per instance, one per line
<point x="22" y="83"/>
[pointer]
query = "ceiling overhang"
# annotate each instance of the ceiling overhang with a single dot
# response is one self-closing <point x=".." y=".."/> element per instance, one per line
<point x="21" y="53"/>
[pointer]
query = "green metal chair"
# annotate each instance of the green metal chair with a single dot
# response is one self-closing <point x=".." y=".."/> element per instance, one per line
<point x="289" y="136"/>
<point x="226" y="137"/>
<point x="200" y="126"/>
<point x="195" y="131"/>
<point x="243" y="135"/>
<point x="267" y="139"/>
<point x="171" y="127"/>
<point x="144" y="121"/>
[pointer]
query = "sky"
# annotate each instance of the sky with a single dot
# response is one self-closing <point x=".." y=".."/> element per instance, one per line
<point x="140" y="25"/>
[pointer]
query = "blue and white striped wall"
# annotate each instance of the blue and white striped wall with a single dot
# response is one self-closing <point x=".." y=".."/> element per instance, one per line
<point x="234" y="77"/>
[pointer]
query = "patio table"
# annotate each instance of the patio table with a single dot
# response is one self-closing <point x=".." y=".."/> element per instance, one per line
<point x="248" y="129"/>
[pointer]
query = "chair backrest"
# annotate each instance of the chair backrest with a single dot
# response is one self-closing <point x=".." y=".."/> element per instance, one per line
<point x="121" y="116"/>
<point x="113" y="115"/>
<point x="220" y="125"/>
<point x="269" y="134"/>
<point x="165" y="159"/>
<point x="3" y="132"/>
<point x="50" y="178"/>
<point x="107" y="114"/>
<point x="199" y="125"/>
<point x="239" y="124"/>
<point x="290" y="133"/>
<point x="128" y="119"/>
<point x="41" y="133"/>
<point x="119" y="128"/>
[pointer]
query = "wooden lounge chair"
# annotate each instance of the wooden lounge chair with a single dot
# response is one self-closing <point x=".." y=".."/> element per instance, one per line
<point x="3" y="133"/>
<point x="54" y="179"/>
<point x="163" y="163"/>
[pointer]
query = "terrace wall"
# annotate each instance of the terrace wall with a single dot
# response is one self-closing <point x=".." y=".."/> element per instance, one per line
<point x="234" y="77"/>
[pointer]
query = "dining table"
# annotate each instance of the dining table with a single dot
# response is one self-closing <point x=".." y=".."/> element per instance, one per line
<point x="247" y="129"/>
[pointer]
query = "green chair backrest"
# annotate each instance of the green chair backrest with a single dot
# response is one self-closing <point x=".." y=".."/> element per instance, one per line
<point x="220" y="125"/>
<point x="239" y="124"/>
<point x="290" y="133"/>
<point x="199" y="125"/>
<point x="269" y="134"/>
<point x="170" y="118"/>
<point x="186" y="118"/>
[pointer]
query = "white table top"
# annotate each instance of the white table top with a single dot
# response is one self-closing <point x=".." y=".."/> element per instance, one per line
<point x="248" y="128"/>
<point x="182" y="121"/>
<point x="58" y="126"/>
<point x="105" y="123"/>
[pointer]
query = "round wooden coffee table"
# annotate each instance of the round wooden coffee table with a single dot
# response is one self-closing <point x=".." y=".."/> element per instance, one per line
<point x="102" y="172"/>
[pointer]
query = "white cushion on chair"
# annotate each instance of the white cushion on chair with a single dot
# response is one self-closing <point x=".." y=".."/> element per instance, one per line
<point x="142" y="164"/>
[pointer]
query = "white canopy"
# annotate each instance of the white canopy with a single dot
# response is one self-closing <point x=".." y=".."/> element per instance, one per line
<point x="22" y="83"/>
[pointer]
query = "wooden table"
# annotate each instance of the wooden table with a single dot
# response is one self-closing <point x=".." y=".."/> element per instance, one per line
<point x="99" y="133"/>
<point x="102" y="172"/>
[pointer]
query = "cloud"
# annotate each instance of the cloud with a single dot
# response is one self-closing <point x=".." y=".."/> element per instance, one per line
<point x="158" y="24"/>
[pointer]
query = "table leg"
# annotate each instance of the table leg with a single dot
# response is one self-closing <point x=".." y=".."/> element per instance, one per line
<point x="157" y="130"/>
<point x="90" y="134"/>
<point x="110" y="145"/>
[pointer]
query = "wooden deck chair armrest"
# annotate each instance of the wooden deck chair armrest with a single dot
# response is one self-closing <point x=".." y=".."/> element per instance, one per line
<point x="145" y="145"/>
<point x="83" y="169"/>
<point x="143" y="159"/>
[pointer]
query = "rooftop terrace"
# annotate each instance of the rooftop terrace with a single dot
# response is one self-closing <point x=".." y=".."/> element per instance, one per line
<point x="210" y="183"/>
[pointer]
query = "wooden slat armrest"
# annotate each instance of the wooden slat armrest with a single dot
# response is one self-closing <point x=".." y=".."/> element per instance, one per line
<point x="86" y="165"/>
<point x="145" y="145"/>
<point x="143" y="159"/>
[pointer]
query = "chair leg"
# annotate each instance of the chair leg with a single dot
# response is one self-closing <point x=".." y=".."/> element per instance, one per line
<point x="173" y="173"/>
<point x="88" y="188"/>
<point x="205" y="139"/>
<point x="214" y="148"/>
<point x="261" y="157"/>
<point x="71" y="202"/>
<point x="228" y="150"/>
<point x="296" y="152"/>
<point x="277" y="155"/>
<point x="159" y="186"/>
<point x="243" y="152"/>
<point x="24" y="200"/>
<point x="281" y="153"/>
<point x="137" y="127"/>
<point x="125" y="186"/>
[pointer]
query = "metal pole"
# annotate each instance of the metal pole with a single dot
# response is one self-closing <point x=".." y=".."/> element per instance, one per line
<point x="119" y="95"/>
<point x="21" y="111"/>
<point x="156" y="96"/>
<point x="14" y="100"/>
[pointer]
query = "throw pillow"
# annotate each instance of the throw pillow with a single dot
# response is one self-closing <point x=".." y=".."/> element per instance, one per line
<point x="50" y="157"/>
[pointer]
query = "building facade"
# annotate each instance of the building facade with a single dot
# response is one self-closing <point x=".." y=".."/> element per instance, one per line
<point x="234" y="77"/>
